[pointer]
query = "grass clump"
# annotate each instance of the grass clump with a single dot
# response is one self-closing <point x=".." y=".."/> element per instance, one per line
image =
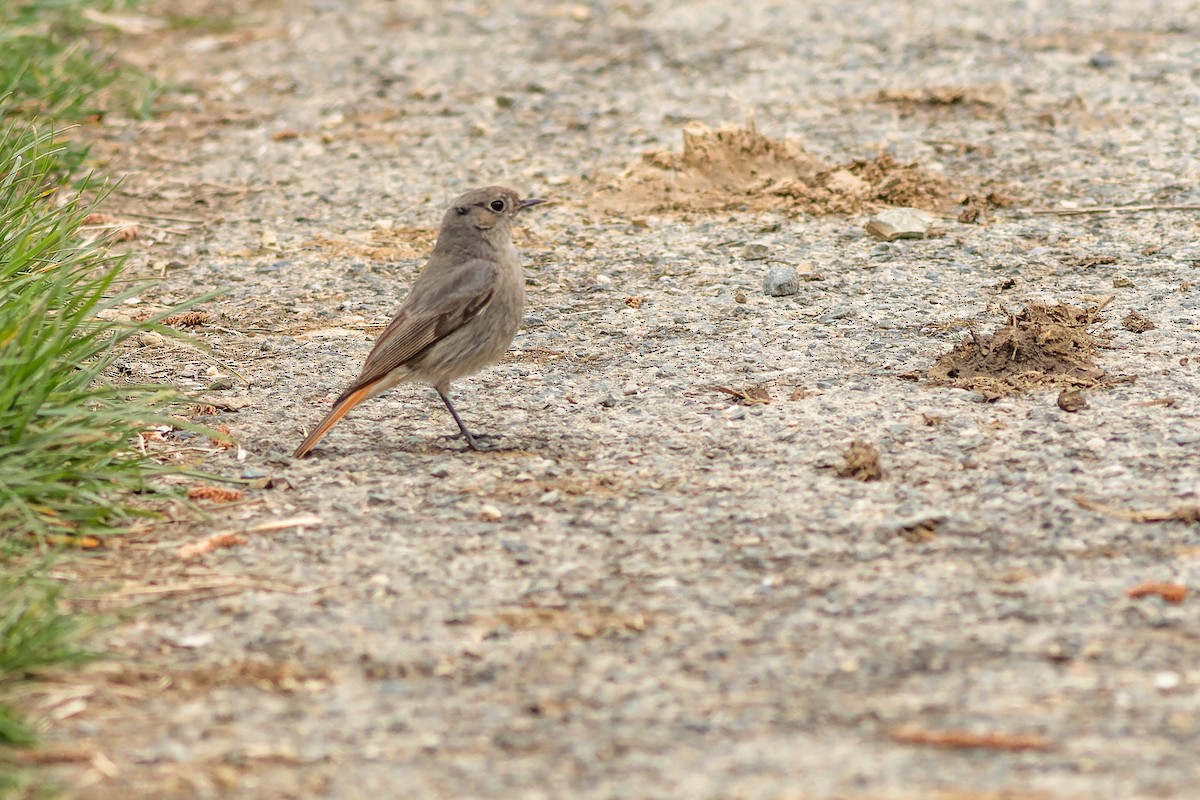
<point x="66" y="464"/>
<point x="34" y="633"/>
<point x="68" y="419"/>
<point x="52" y="64"/>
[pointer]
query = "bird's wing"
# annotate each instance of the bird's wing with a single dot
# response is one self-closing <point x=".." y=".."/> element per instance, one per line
<point x="434" y="309"/>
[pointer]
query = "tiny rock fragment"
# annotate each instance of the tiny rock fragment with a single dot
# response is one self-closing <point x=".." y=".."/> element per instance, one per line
<point x="900" y="223"/>
<point x="781" y="281"/>
<point x="1071" y="400"/>
<point x="1137" y="322"/>
<point x="1167" y="682"/>
<point x="861" y="462"/>
<point x="1174" y="593"/>
<point x="489" y="513"/>
<point x="286" y="133"/>
<point x="755" y="251"/>
<point x="633" y="302"/>
<point x="1121" y="282"/>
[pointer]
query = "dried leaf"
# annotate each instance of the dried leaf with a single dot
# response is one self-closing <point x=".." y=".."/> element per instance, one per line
<point x="215" y="493"/>
<point x="189" y="320"/>
<point x="1170" y="592"/>
<point x="750" y="396"/>
<point x="860" y="460"/>
<point x="214" y="542"/>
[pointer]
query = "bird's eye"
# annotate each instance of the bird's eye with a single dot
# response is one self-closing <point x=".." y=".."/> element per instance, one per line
<point x="496" y="205"/>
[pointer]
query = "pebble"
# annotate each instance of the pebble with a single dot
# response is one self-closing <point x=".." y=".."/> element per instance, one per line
<point x="900" y="223"/>
<point x="836" y="313"/>
<point x="1167" y="681"/>
<point x="781" y="281"/>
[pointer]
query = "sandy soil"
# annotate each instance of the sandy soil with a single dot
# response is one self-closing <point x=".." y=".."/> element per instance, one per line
<point x="728" y="544"/>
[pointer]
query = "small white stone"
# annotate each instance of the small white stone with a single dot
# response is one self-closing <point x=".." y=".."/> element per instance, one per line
<point x="1166" y="681"/>
<point x="900" y="223"/>
<point x="489" y="513"/>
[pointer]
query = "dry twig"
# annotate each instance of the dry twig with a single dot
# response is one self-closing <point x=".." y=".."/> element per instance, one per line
<point x="1181" y="514"/>
<point x="1074" y="212"/>
<point x="970" y="740"/>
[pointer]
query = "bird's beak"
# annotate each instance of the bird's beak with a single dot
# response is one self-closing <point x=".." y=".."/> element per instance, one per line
<point x="531" y="202"/>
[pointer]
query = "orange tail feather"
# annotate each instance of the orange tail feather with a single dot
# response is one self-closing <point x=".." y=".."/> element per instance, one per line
<point x="344" y="404"/>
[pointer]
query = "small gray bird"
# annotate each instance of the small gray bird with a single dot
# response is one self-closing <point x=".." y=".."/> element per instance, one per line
<point x="461" y="313"/>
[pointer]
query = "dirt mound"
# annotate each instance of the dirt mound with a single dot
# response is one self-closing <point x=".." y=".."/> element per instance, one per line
<point x="1039" y="347"/>
<point x="739" y="167"/>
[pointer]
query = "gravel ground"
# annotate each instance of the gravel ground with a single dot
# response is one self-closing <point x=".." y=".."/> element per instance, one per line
<point x="650" y="589"/>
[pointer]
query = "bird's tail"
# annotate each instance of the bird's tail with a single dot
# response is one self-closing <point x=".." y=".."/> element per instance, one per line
<point x="343" y="404"/>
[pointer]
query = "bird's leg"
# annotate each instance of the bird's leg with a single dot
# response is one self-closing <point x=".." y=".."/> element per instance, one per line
<point x="474" y="445"/>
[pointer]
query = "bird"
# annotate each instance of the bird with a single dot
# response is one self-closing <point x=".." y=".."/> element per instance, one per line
<point x="460" y="315"/>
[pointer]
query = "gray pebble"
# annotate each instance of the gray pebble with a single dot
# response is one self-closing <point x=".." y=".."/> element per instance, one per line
<point x="781" y="281"/>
